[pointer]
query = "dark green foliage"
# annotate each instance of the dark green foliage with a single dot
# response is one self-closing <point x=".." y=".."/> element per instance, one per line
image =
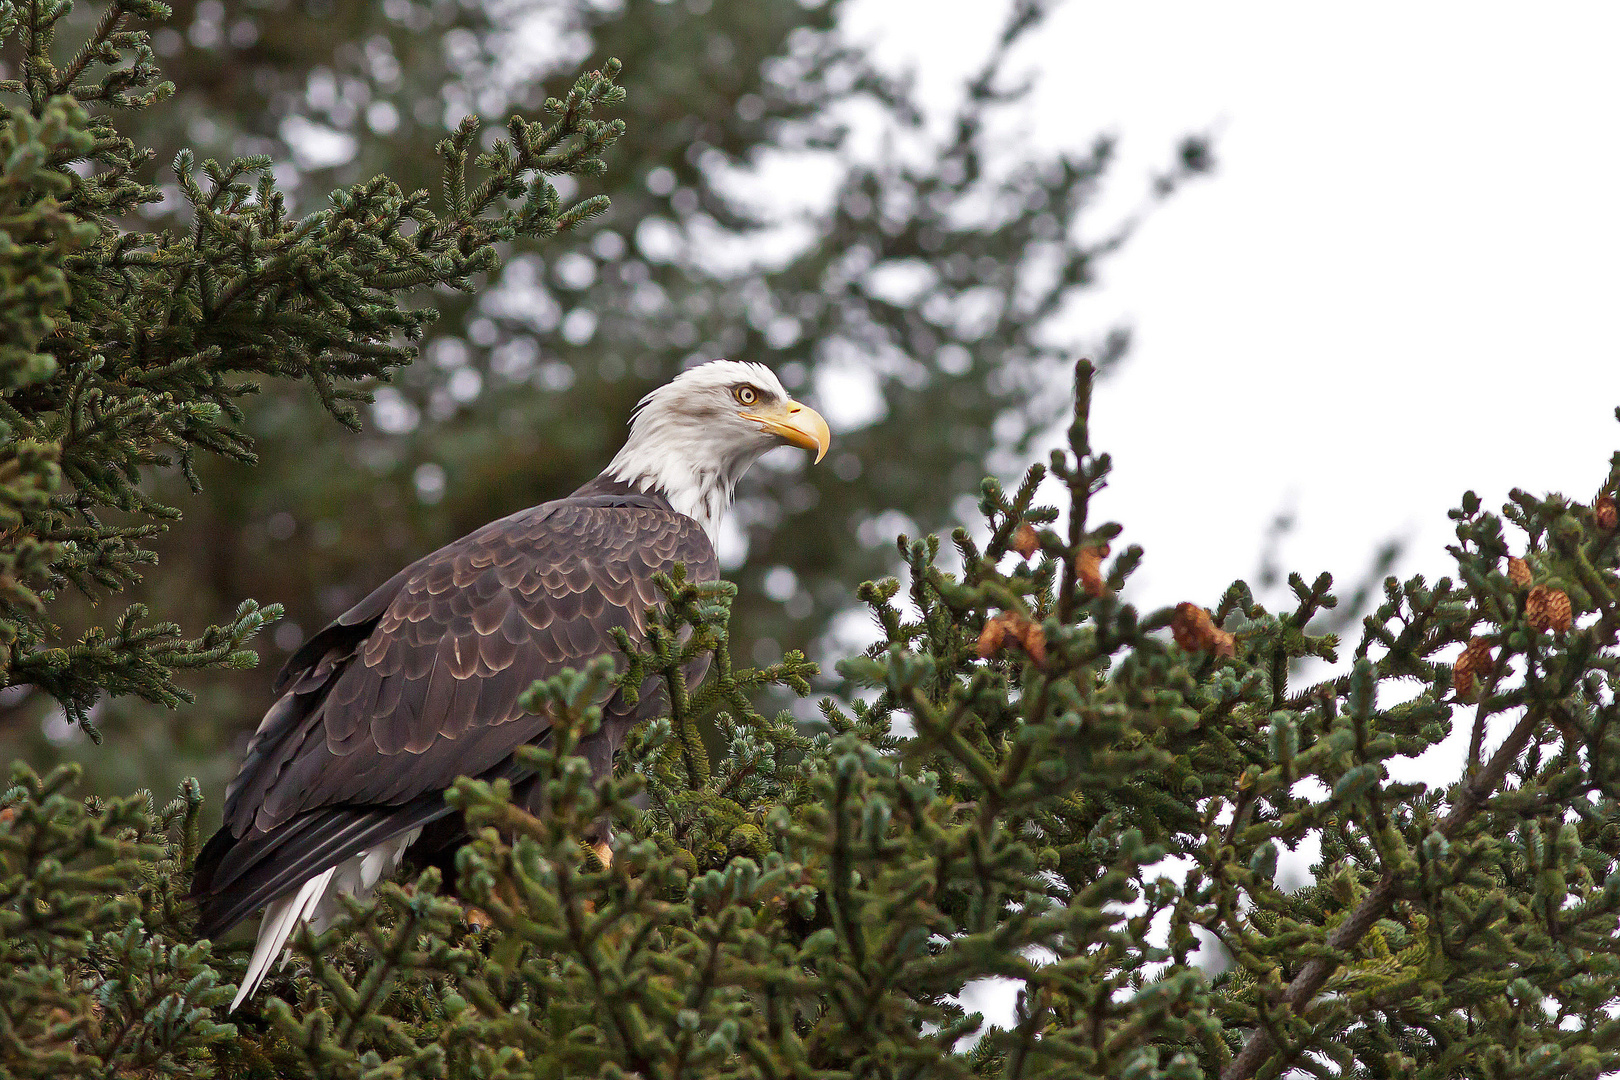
<point x="99" y="974"/>
<point x="126" y="353"/>
<point x="812" y="903"/>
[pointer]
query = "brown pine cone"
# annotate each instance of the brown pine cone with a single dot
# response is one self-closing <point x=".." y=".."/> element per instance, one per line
<point x="1518" y="572"/>
<point x="1547" y="608"/>
<point x="1606" y="515"/>
<point x="1089" y="570"/>
<point x="1192" y="627"/>
<point x="1195" y="631"/>
<point x="1009" y="627"/>
<point x="991" y="638"/>
<point x="1024" y="541"/>
<point x="1476" y="660"/>
<point x="1033" y="639"/>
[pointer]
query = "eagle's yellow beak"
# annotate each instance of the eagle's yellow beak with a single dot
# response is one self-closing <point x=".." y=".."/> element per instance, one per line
<point x="798" y="424"/>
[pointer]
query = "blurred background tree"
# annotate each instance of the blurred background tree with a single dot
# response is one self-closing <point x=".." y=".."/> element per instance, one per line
<point x="930" y="284"/>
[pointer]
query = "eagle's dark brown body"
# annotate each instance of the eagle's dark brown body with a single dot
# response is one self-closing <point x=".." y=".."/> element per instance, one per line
<point x="419" y="683"/>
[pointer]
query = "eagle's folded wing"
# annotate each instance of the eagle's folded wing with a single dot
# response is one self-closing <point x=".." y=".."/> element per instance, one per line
<point x="419" y="684"/>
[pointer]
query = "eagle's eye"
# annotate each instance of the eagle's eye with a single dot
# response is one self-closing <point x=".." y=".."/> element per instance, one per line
<point x="745" y="395"/>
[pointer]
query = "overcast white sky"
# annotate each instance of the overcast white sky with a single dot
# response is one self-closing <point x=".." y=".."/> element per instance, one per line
<point x="1399" y="283"/>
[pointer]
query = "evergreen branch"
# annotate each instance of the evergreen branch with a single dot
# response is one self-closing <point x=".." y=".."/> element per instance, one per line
<point x="1474" y="796"/>
<point x="110" y="21"/>
<point x="119" y="350"/>
<point x="1079" y="492"/>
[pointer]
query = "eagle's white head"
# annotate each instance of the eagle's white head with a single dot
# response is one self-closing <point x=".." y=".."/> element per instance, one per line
<point x="693" y="438"/>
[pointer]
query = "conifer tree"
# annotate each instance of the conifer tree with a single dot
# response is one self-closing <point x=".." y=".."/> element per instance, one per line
<point x="126" y="353"/>
<point x="1046" y="786"/>
<point x="1039" y="783"/>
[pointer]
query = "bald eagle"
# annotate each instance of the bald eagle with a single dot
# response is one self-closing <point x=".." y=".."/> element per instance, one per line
<point x="418" y="683"/>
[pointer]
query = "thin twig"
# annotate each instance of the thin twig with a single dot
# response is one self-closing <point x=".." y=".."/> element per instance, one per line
<point x="1079" y="490"/>
<point x="111" y="20"/>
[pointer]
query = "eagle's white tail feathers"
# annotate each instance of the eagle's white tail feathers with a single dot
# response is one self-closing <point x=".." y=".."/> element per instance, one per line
<point x="281" y="919"/>
<point x="315" y="902"/>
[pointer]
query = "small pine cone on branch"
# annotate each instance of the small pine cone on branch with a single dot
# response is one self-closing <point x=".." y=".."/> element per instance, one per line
<point x="1033" y="639"/>
<point x="1476" y="661"/>
<point x="1607" y="517"/>
<point x="1195" y="631"/>
<point x="1518" y="572"/>
<point x="1009" y="627"/>
<point x="1025" y="541"/>
<point x="1547" y="608"/>
<point x="991" y="638"/>
<point x="1088" y="568"/>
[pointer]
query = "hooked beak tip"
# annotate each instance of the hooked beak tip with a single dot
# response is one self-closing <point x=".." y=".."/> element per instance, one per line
<point x="799" y="425"/>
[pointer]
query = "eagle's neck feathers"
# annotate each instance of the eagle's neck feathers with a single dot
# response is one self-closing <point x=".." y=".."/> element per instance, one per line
<point x="691" y="440"/>
<point x="663" y="467"/>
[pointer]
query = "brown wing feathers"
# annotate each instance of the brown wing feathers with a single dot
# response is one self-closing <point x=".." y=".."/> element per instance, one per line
<point x="419" y="683"/>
